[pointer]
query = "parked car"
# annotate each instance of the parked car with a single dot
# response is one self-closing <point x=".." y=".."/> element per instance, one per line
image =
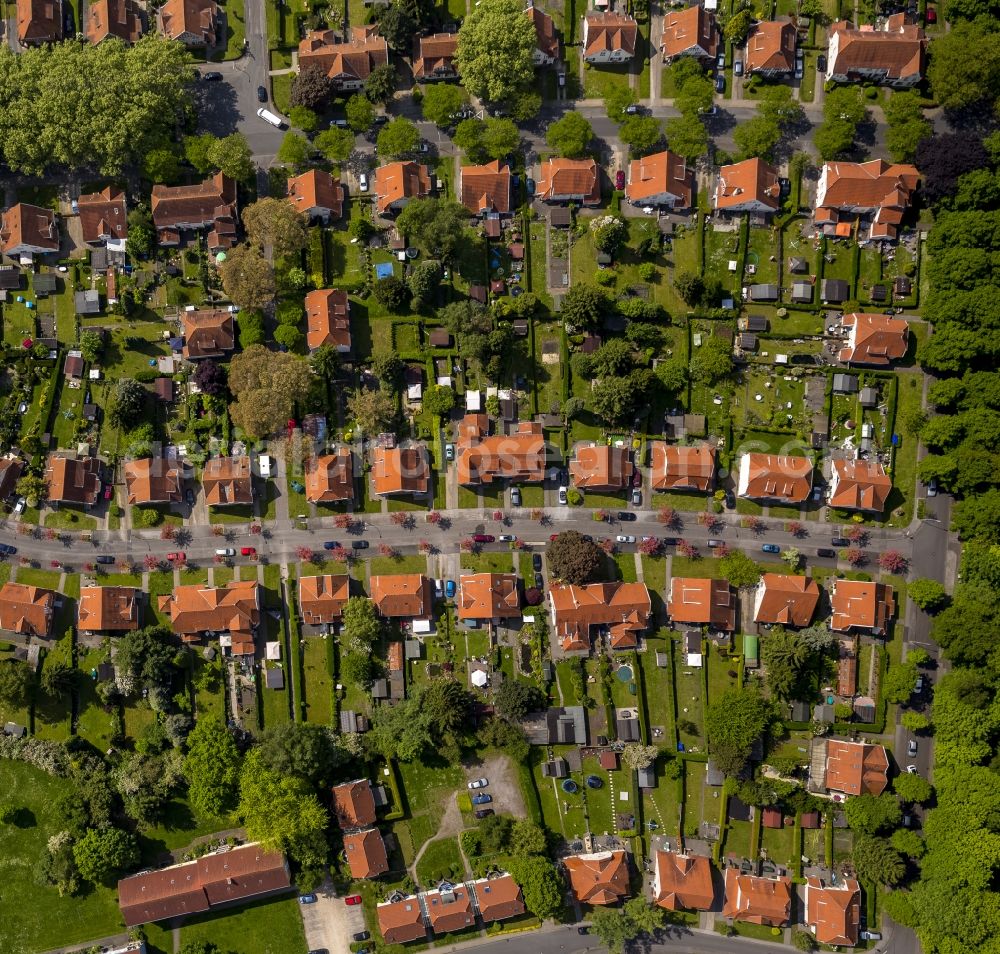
<point x="870" y="936"/>
<point x="911" y="748"/>
<point x="7" y="550"/>
<point x="362" y="936"/>
<point x="479" y="783"/>
<point x="483" y="812"/>
<point x="330" y="545"/>
<point x="108" y="491"/>
<point x="620" y="180"/>
<point x="359" y="544"/>
<point x="483" y="799"/>
<point x="529" y="184"/>
<point x="225" y="552"/>
<point x="931" y="16"/>
<point x="714" y="544"/>
<point x="720" y="83"/>
<point x="449" y="451"/>
<point x="932" y="488"/>
<point x="563" y="496"/>
<point x="449" y="588"/>
<point x="826" y="552"/>
<point x="506" y="538"/>
<point x="438" y="589"/>
<point x="363" y="182"/>
<point x="20" y="505"/>
<point x="840" y="542"/>
<point x="515" y="496"/>
<point x="626" y="516"/>
<point x="670" y="541"/>
<point x="730" y="500"/>
<point x="338" y="123"/>
<point x="721" y="61"/>
<point x="911" y="769"/>
<point x="484" y="538"/>
<point x="770" y="548"/>
<point x="625" y="538"/>
<point x="178" y="556"/>
<point x="738" y="68"/>
<point x="105" y="558"/>
<point x="307" y="899"/>
<point x="211" y="77"/>
<point x="636" y="498"/>
<point x="821" y="63"/>
<point x="189" y="496"/>
<point x="919" y="687"/>
<point x="261" y="94"/>
<point x="248" y="551"/>
<point x="352" y="899"/>
<point x="536" y="562"/>
<point x="561" y="76"/>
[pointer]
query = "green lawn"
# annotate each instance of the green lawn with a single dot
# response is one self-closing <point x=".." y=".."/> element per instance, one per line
<point x="410" y="563"/>
<point x="441" y="861"/>
<point x="599" y="81"/>
<point x="235" y="31"/>
<point x="426" y="787"/>
<point x="268" y="927"/>
<point x="319" y="683"/>
<point x="69" y="518"/>
<point x="491" y="562"/>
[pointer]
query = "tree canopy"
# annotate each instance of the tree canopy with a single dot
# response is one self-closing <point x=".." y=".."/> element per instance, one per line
<point x="570" y="136"/>
<point x="276" y="224"/>
<point x="439" y="225"/>
<point x="212" y="767"/>
<point x="573" y="559"/>
<point x="496" y="46"/>
<point x="734" y="722"/>
<point x="267" y="386"/>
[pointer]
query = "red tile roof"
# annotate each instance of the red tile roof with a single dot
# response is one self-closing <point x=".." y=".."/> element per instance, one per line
<point x="208" y="334"/>
<point x="402" y="595"/>
<point x="401" y="921"/>
<point x="322" y="598"/>
<point x="488" y="596"/>
<point x="702" y="602"/>
<point x="39" y="21"/>
<point x="563" y="179"/>
<point x="366" y="855"/>
<point x="758" y="900"/>
<point x="609" y="31"/>
<point x="896" y="53"/>
<point x="108" y="609"/>
<point x="398" y="182"/>
<point x="662" y="174"/>
<point x="401" y="470"/>
<point x="771" y="47"/>
<point x="191" y="21"/>
<point x="233" y="609"/>
<point x="353" y="802"/>
<point x="26" y="610"/>
<point x="435" y="57"/>
<point x="747" y="185"/>
<point x="833" y="912"/>
<point x="623" y="607"/>
<point x="153" y="480"/>
<point x="546" y="40"/>
<point x="449" y="911"/>
<point x="847" y="189"/>
<point x="73" y="480"/>
<point x="349" y="62"/>
<point x="876" y="340"/>
<point x="601" y="467"/>
<point x="330" y="478"/>
<point x="682" y="881"/>
<point x="483" y="458"/>
<point x="856" y="768"/>
<point x="498" y="898"/>
<point x="103" y="214"/>
<point x="775" y="477"/>
<point x="28" y="228"/>
<point x="328" y="319"/>
<point x="785" y="600"/>
<point x="485" y="188"/>
<point x="209" y="203"/>
<point x="316" y="192"/>
<point x="227" y="481"/>
<point x="858" y="604"/>
<point x="119" y="18"/>
<point x="691" y="32"/>
<point x="598" y="878"/>
<point x="685" y="468"/>
<point x="859" y="485"/>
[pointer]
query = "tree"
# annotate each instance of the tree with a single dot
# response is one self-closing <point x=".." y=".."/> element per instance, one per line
<point x="739" y="570"/>
<point x="312" y="88"/>
<point x="380" y="86"/>
<point x="870" y="814"/>
<point x="388" y="367"/>
<point x="641" y="134"/>
<point x="301" y="117"/>
<point x="439" y="225"/>
<point x="843" y="110"/>
<point x="232" y="156"/>
<point x="335" y="144"/>
<point x="302" y="750"/>
<point x="442" y="101"/>
<point x="912" y="788"/>
<point x="514" y="699"/>
<point x="360" y="113"/>
<point x="392" y="293"/>
<point x="734" y="722"/>
<point x="690" y="286"/>
<point x="294" y="150"/>
<point x="617" y="927"/>
<point x="897" y="687"/>
<point x="907" y="126"/>
<point x="33" y="488"/>
<point x="792" y="557"/>
<point x="58" y="678"/>
<point x="16" y="682"/>
<point x="399" y="29"/>
<point x="423" y="282"/>
<point x="686" y="136"/>
<point x="803" y="941"/>
<point x="571" y="135"/>
<point x="496" y="47"/>
<point x="915" y="722"/>
<point x="362" y="625"/>
<point x="738" y="27"/>
<point x="637" y="756"/>
<point x="373" y="411"/>
<point x="757" y="137"/>
<point x="211" y="378"/>
<point x="929" y="595"/>
<point x="161" y="166"/>
<point x="247" y="277"/>
<point x="500" y="138"/>
<point x="141" y="234"/>
<point x="288" y="336"/>
<point x="584" y="306"/>
<point x="541" y="884"/>
<point x="439" y="399"/>
<point x="892" y="561"/>
<point x="695" y="97"/>
<point x="128" y="402"/>
<point x="102" y="854"/>
<point x="527" y="838"/>
<point x="959" y="81"/>
<point x="212" y="767"/>
<point x="446" y="704"/>
<point x="91" y="345"/>
<point x="196" y="150"/>
<point x="267" y="386"/>
<point x="401" y="731"/>
<point x="786" y="660"/>
<point x="876" y="861"/>
<point x="777" y="105"/>
<point x="573" y="559"/>
<point x="276" y="224"/>
<point x="399" y="138"/>
<point x="712" y="362"/>
<point x="908" y="843"/>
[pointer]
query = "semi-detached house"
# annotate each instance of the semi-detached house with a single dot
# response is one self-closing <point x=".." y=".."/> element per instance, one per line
<point x="569" y="180"/>
<point x="207" y="205"/>
<point x="689" y="32"/>
<point x="771" y="49"/>
<point x="874" y="194"/>
<point x="748" y="186"/>
<point x="349" y="62"/>
<point x="663" y="179"/>
<point x="891" y="56"/>
<point x="113" y="18"/>
<point x="191" y="22"/>
<point x="546" y="50"/>
<point x="609" y="37"/>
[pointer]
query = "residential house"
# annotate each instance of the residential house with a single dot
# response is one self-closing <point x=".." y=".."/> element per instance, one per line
<point x="859" y="485"/>
<point x="861" y="605"/>
<point x="875" y="340"/>
<point x="211" y="881"/>
<point x="893" y="55"/>
<point x="153" y="480"/>
<point x="702" y="602"/>
<point x="765" y="901"/>
<point x="328" y="319"/>
<point x="39" y="21"/>
<point x="191" y="22"/>
<point x="396" y="183"/>
<point x="402" y="595"/>
<point x="27" y="230"/>
<point x="190" y="208"/>
<point x="748" y="186"/>
<point x="569" y="180"/>
<point x="601" y="877"/>
<point x="108" y="609"/>
<point x="330" y="477"/>
<point x="498" y="898"/>
<point x="401" y="470"/>
<point x="349" y="62"/>
<point x="322" y="598"/>
<point x="232" y="610"/>
<point x="662" y="179"/>
<point x="366" y="855"/>
<point x="682" y="882"/>
<point x="776" y="477"/>
<point x="208" y="334"/>
<point x="317" y="195"/>
<point x="579" y="613"/>
<point x="684" y="468"/>
<point x="601" y="467"/>
<point x="854" y="768"/>
<point x="11" y="469"/>
<point x="482" y="458"/>
<point x="354" y="804"/>
<point x="227" y="481"/>
<point x="875" y="194"/>
<point x="833" y="911"/>
<point x="449" y="908"/>
<point x="73" y="480"/>
<point x="434" y="58"/>
<point x="26" y="610"/>
<point x="103" y="216"/>
<point x="118" y="18"/>
<point x="771" y="49"/>
<point x="609" y="37"/>
<point x="783" y="600"/>
<point x="485" y="189"/>
<point x="401" y="919"/>
<point x="546" y="50"/>
<point x="491" y="597"/>
<point x="689" y="32"/>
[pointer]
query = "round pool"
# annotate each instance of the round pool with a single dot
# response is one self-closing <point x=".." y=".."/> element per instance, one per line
<point x="624" y="673"/>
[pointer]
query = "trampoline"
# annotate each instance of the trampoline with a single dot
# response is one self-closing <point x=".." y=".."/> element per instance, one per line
<point x="569" y="785"/>
<point x="624" y="673"/>
<point x="384" y="270"/>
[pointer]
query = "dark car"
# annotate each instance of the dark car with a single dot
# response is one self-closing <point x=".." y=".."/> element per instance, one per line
<point x="730" y="500"/>
<point x="261" y="94"/>
<point x="7" y="550"/>
<point x="620" y="180"/>
<point x="720" y="83"/>
<point x="330" y="545"/>
<point x="583" y="930"/>
<point x="482" y="799"/>
<point x="484" y="538"/>
<point x="821" y="63"/>
<point x="105" y="558"/>
<point x="826" y="552"/>
<point x="307" y="899"/>
<point x="840" y="542"/>
<point x="539" y="582"/>
<point x="189" y="496"/>
<point x="670" y="541"/>
<point x="626" y="515"/>
<point x="211" y="77"/>
<point x="362" y="936"/>
<point x="536" y="561"/>
<point x="771" y="548"/>
<point x="483" y="812"/>
<point x="359" y="544"/>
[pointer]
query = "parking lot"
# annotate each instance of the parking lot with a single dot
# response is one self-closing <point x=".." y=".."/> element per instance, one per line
<point x="329" y="923"/>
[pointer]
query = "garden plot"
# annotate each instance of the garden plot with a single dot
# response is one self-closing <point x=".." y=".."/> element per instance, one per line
<point x="769" y="400"/>
<point x="761" y="266"/>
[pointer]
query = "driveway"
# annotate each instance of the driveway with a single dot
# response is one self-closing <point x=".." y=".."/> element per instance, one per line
<point x="329" y="923"/>
<point x="507" y="797"/>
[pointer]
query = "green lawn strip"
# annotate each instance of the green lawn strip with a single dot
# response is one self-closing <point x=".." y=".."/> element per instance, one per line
<point x="319" y="682"/>
<point x="599" y="81"/>
<point x="441" y="861"/>
<point x="626" y="567"/>
<point x="758" y="932"/>
<point x="700" y="568"/>
<point x="904" y="467"/>
<point x="409" y="563"/>
<point x="400" y="505"/>
<point x="69" y="519"/>
<point x="488" y="562"/>
<point x="47" y="579"/>
<point x="323" y="568"/>
<point x="235" y="17"/>
<point x="690" y="701"/>
<point x="656" y="680"/>
<point x="223" y="575"/>
<point x="293" y="649"/>
<point x="780" y="844"/>
<point x="738" y="838"/>
<point x="687" y="502"/>
<point x="264" y="927"/>
<point x="696" y="797"/>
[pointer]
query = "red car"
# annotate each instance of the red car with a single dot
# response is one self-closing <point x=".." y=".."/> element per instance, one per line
<point x="108" y="491"/>
<point x="620" y="180"/>
<point x="352" y="899"/>
<point x="248" y="551"/>
<point x="483" y="538"/>
<point x="931" y="16"/>
<point x="178" y="557"/>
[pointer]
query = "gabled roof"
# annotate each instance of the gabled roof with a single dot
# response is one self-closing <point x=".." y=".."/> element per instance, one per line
<point x="622" y="607"/>
<point x="322" y="598"/>
<point x="874" y="339"/>
<point x="103" y="214"/>
<point x="28" y="225"/>
<point x="330" y="478"/>
<point x="402" y="595"/>
<point x="354" y="804"/>
<point x="833" y="912"/>
<point x="601" y="467"/>
<point x="786" y="600"/>
<point x="208" y="334"/>
<point x="545" y="32"/>
<point x="118" y="18"/>
<point x="866" y="185"/>
<point x="856" y="768"/>
<point x="212" y="202"/>
<point x="108" y="608"/>
<point x="488" y="596"/>
<point x="860" y="485"/>
<point x="400" y="181"/>
<point x="449" y="910"/>
<point x="227" y="481"/>
<point x="328" y="319"/>
<point x="39" y="21"/>
<point x="752" y="180"/>
<point x="498" y="898"/>
<point x="683" y="881"/>
<point x="366" y="855"/>
<point x="661" y="173"/>
<point x="482" y="458"/>
<point x="73" y="480"/>
<point x="485" y="188"/>
<point x="401" y="470"/>
<point x="26" y="609"/>
<point x="680" y="467"/>
<point x="11" y="469"/>
<point x="860" y="604"/>
<point x="435" y="56"/>
<point x="689" y="31"/>
<point x="598" y="878"/>
<point x="704" y="602"/>
<point x="153" y="480"/>
<point x="897" y="49"/>
<point x="316" y="189"/>
<point x="771" y="47"/>
<point x="775" y="477"/>
<point x="758" y="900"/>
<point x="565" y="178"/>
<point x="196" y="18"/>
<point x="401" y="921"/>
<point x="233" y="608"/>
<point x="348" y="61"/>
<point x="609" y="30"/>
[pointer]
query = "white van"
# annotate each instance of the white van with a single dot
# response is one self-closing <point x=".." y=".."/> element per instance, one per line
<point x="270" y="117"/>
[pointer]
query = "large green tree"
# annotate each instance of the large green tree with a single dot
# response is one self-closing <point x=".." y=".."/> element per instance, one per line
<point x="301" y="749"/>
<point x="104" y="853"/>
<point x="541" y="884"/>
<point x="572" y="559"/>
<point x="495" y="49"/>
<point x="734" y="722"/>
<point x="571" y="135"/>
<point x="267" y="386"/>
<point x="16" y="682"/>
<point x="399" y="138"/>
<point x="440" y="225"/>
<point x="212" y="767"/>
<point x="362" y="624"/>
<point x="442" y="101"/>
<point x="247" y="277"/>
<point x="276" y="224"/>
<point x="739" y="570"/>
<point x="958" y="80"/>
<point x="871" y="814"/>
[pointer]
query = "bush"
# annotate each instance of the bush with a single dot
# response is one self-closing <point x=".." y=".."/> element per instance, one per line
<point x="574" y="497"/>
<point x="647" y="271"/>
<point x="605" y="277"/>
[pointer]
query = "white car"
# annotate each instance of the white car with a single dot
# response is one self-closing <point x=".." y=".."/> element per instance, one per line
<point x="225" y="552"/>
<point x="625" y="538"/>
<point x="438" y="589"/>
<point x="479" y="783"/>
<point x="912" y="769"/>
<point x="563" y="496"/>
<point x="506" y="538"/>
<point x="363" y="182"/>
